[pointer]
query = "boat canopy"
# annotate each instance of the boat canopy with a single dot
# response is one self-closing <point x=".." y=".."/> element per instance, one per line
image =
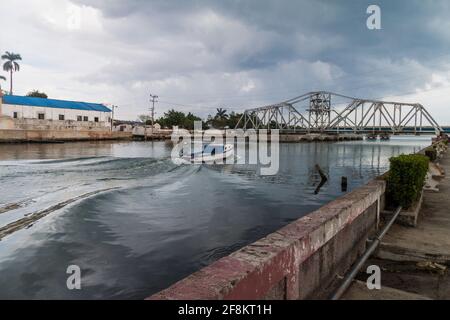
<point x="213" y="149"/>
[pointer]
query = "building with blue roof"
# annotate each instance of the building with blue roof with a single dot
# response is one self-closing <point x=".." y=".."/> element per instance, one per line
<point x="19" y="107"/>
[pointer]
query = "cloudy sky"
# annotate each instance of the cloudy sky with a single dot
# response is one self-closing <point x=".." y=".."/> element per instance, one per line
<point x="236" y="54"/>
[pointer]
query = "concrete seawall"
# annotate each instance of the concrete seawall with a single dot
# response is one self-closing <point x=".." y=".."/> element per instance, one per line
<point x="299" y="261"/>
<point x="310" y="137"/>
<point x="17" y="135"/>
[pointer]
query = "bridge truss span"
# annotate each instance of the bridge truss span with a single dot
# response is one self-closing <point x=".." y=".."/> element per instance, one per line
<point x="324" y="111"/>
<point x="284" y="115"/>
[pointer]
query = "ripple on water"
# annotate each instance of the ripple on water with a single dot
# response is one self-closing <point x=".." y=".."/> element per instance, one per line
<point x="160" y="222"/>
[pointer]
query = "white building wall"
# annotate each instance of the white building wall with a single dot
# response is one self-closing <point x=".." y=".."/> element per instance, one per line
<point x="30" y="112"/>
<point x="123" y="127"/>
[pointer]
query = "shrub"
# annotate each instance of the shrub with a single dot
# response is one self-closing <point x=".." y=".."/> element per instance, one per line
<point x="406" y="178"/>
<point x="431" y="153"/>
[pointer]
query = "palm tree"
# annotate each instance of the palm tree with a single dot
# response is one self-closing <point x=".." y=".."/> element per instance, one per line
<point x="2" y="78"/>
<point x="221" y="114"/>
<point x="11" y="65"/>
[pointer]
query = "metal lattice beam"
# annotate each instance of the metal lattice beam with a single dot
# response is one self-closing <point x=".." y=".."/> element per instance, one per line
<point x="356" y="115"/>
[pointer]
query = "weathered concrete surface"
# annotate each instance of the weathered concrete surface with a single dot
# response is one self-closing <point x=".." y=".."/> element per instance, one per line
<point x="359" y="291"/>
<point x="310" y="137"/>
<point x="430" y="240"/>
<point x="425" y="280"/>
<point x="17" y="135"/>
<point x="435" y="171"/>
<point x="416" y="260"/>
<point x="407" y="217"/>
<point x="57" y="125"/>
<point x="6" y="122"/>
<point x="298" y="261"/>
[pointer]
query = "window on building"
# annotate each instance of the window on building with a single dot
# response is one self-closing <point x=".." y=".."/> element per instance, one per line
<point x="41" y="116"/>
<point x="79" y="118"/>
<point x="96" y="119"/>
<point x="15" y="115"/>
<point x="85" y="118"/>
<point x="61" y="117"/>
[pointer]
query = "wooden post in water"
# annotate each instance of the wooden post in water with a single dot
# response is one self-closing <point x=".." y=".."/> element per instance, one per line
<point x="322" y="180"/>
<point x="344" y="184"/>
<point x="322" y="175"/>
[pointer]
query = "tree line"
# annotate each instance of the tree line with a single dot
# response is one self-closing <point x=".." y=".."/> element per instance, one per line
<point x="221" y="120"/>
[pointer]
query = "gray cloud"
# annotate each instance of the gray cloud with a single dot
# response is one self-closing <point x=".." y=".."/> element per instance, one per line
<point x="236" y="54"/>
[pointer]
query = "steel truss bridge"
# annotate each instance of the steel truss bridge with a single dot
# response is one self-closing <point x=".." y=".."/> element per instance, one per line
<point x="327" y="112"/>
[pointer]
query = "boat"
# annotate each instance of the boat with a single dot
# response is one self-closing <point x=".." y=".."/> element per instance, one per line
<point x="210" y="152"/>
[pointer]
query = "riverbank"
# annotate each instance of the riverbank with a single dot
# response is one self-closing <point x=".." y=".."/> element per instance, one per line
<point x="414" y="261"/>
<point x="300" y="261"/>
<point x="185" y="217"/>
<point x="48" y="136"/>
<point x="313" y="137"/>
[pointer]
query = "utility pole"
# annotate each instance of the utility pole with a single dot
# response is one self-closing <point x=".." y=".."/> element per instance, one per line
<point x="153" y="100"/>
<point x="112" y="116"/>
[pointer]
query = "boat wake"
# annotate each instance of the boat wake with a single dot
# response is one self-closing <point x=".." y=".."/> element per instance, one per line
<point x="57" y="184"/>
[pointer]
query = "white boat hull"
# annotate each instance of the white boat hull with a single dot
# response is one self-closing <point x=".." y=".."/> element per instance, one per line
<point x="209" y="158"/>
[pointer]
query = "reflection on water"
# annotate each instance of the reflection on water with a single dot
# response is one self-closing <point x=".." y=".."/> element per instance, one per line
<point x="157" y="222"/>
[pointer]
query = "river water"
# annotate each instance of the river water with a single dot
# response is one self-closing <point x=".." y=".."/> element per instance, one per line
<point x="135" y="223"/>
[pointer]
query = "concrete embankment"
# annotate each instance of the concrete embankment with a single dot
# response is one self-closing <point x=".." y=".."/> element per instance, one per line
<point x="307" y="258"/>
<point x="285" y="138"/>
<point x="64" y="133"/>
<point x="415" y="260"/>
<point x="310" y="137"/>
<point x="299" y="261"/>
<point x="18" y="135"/>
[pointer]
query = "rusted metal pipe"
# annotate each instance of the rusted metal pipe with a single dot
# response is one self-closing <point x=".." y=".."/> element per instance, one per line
<point x="359" y="264"/>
